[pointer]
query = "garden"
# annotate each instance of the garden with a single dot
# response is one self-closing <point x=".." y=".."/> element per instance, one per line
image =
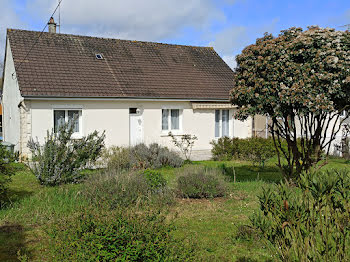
<point x="282" y="198"/>
<point x="148" y="204"/>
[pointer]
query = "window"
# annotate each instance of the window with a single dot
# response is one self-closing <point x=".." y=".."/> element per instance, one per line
<point x="222" y="120"/>
<point x="170" y="119"/>
<point x="73" y="117"/>
<point x="133" y="110"/>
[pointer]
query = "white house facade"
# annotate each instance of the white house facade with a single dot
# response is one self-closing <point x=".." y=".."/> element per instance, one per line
<point x="137" y="92"/>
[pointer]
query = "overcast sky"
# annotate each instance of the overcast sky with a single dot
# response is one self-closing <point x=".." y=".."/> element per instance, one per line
<point x="227" y="25"/>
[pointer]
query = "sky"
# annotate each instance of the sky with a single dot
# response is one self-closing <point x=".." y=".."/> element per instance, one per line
<point x="226" y="25"/>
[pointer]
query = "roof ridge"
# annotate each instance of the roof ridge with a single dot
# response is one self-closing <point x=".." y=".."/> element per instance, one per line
<point x="109" y="38"/>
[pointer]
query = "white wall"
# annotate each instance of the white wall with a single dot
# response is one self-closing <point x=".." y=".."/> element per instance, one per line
<point x="10" y="99"/>
<point x="113" y="116"/>
<point x="329" y="131"/>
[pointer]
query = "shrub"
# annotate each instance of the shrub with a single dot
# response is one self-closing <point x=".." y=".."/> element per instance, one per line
<point x="60" y="159"/>
<point x="123" y="189"/>
<point x="184" y="144"/>
<point x="254" y="149"/>
<point x="308" y="223"/>
<point x="140" y="157"/>
<point x="257" y="149"/>
<point x="153" y="156"/>
<point x="201" y="182"/>
<point x="121" y="235"/>
<point x="117" y="158"/>
<point x="154" y="179"/>
<point x="6" y="171"/>
<point x="225" y="148"/>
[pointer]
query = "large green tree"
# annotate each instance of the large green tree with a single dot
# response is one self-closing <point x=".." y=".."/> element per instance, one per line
<point x="301" y="81"/>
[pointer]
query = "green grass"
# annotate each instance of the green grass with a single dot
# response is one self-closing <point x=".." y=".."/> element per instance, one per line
<point x="212" y="224"/>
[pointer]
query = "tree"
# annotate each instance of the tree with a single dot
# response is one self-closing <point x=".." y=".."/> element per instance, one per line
<point x="301" y="81"/>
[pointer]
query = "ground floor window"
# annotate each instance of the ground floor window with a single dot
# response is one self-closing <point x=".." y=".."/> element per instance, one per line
<point x="72" y="117"/>
<point x="171" y="119"/>
<point x="222" y="120"/>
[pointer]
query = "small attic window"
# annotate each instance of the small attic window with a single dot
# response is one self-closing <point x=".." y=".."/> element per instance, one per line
<point x="99" y="56"/>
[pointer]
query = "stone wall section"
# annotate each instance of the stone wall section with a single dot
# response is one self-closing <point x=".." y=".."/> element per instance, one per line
<point x="26" y="129"/>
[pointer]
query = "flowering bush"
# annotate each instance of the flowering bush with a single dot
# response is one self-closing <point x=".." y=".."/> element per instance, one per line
<point x="300" y="80"/>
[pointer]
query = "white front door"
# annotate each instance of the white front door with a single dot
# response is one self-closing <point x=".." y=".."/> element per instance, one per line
<point x="136" y="126"/>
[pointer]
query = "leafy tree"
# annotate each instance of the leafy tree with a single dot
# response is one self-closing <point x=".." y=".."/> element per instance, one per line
<point x="301" y="81"/>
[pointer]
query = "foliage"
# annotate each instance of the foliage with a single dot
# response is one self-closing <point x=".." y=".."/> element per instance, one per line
<point x="6" y="171"/>
<point x="309" y="223"/>
<point x="255" y="149"/>
<point x="226" y="149"/>
<point x="60" y="159"/>
<point x="153" y="156"/>
<point x="120" y="235"/>
<point x="300" y="80"/>
<point x="37" y="208"/>
<point x="245" y="232"/>
<point x="185" y="143"/>
<point x="201" y="182"/>
<point x="117" y="158"/>
<point x="116" y="189"/>
<point x="154" y="179"/>
<point x="125" y="219"/>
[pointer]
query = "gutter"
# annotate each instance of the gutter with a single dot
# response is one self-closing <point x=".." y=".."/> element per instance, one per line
<point x="125" y="99"/>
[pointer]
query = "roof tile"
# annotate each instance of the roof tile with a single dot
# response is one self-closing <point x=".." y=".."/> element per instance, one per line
<point x="65" y="66"/>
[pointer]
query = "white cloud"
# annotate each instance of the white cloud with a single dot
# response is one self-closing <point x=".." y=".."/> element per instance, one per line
<point x="151" y="20"/>
<point x="132" y="19"/>
<point x="229" y="39"/>
<point x="9" y="19"/>
<point x="230" y="61"/>
<point x="229" y="42"/>
<point x="269" y="27"/>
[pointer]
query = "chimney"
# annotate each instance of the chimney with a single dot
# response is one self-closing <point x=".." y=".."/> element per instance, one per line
<point x="52" y="25"/>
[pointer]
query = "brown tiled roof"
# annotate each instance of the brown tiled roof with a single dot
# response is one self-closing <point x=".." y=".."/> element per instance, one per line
<point x="62" y="65"/>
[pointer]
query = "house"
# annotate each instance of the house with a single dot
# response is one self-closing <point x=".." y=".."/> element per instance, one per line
<point x="135" y="91"/>
<point x="0" y="109"/>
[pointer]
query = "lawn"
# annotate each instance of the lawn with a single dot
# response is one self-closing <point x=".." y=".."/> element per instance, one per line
<point x="211" y="223"/>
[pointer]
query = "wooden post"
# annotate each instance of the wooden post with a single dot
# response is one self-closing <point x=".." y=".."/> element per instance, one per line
<point x="234" y="175"/>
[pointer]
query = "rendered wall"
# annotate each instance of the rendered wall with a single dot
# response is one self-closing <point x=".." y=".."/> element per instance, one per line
<point x="10" y="99"/>
<point x="113" y="117"/>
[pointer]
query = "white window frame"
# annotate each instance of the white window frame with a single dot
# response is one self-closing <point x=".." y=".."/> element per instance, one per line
<point x="75" y="135"/>
<point x="230" y="123"/>
<point x="174" y="131"/>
